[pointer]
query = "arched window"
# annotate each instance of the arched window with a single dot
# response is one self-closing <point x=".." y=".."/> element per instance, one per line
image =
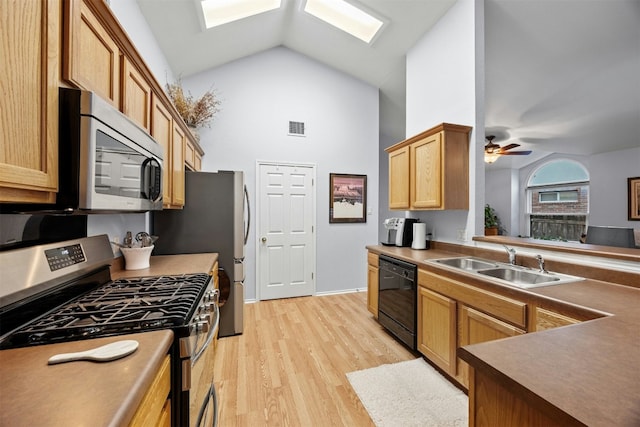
<point x="558" y="200"/>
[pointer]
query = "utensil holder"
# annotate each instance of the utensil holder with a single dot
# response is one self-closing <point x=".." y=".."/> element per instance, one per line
<point x="136" y="258"/>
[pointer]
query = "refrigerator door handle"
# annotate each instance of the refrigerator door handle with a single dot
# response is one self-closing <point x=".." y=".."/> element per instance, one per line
<point x="248" y="225"/>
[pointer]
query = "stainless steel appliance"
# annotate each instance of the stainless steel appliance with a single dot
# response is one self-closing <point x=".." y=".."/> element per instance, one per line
<point x="399" y="231"/>
<point x="63" y="292"/>
<point x="215" y="218"/>
<point x="397" y="299"/>
<point x="107" y="163"/>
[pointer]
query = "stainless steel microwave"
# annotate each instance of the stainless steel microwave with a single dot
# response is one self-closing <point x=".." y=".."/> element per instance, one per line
<point x="107" y="163"/>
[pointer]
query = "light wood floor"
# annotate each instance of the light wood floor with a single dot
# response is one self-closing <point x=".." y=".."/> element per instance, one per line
<point x="288" y="367"/>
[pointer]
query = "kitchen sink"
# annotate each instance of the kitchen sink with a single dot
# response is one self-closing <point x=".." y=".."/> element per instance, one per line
<point x="467" y="263"/>
<point x="512" y="275"/>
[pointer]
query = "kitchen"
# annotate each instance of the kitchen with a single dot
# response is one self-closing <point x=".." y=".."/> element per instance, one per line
<point x="275" y="72"/>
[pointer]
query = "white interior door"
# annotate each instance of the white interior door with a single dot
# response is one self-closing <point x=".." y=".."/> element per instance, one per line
<point x="286" y="242"/>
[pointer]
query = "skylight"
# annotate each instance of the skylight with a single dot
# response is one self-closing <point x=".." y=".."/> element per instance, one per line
<point x="346" y="17"/>
<point x="219" y="12"/>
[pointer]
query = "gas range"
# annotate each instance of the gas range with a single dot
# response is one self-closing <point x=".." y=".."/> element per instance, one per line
<point x="63" y="292"/>
<point x="121" y="306"/>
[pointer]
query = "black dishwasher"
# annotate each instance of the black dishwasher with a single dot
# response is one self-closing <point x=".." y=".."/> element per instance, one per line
<point x="397" y="299"/>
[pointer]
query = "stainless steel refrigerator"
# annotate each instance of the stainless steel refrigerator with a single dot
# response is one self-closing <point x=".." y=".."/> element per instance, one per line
<point x="215" y="218"/>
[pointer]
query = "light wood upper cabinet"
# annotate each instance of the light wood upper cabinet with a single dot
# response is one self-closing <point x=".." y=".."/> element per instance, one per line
<point x="92" y="57"/>
<point x="162" y="132"/>
<point x="425" y="172"/>
<point x="430" y="171"/>
<point x="30" y="48"/>
<point x="136" y="95"/>
<point x="373" y="271"/>
<point x="177" y="166"/>
<point x="399" y="178"/>
<point x="172" y="138"/>
<point x="193" y="155"/>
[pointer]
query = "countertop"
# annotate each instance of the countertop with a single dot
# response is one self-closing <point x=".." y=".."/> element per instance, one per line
<point x="80" y="393"/>
<point x="168" y="265"/>
<point x="590" y="370"/>
<point x="83" y="393"/>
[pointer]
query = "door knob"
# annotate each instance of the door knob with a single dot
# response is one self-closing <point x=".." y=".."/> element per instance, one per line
<point x="264" y="240"/>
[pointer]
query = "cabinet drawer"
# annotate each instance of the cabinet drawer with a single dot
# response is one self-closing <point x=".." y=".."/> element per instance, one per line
<point x="373" y="259"/>
<point x="507" y="309"/>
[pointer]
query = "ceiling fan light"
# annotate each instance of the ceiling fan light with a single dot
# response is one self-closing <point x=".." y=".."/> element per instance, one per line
<point x="491" y="157"/>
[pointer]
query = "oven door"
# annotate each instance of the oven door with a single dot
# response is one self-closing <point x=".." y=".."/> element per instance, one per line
<point x="203" y="409"/>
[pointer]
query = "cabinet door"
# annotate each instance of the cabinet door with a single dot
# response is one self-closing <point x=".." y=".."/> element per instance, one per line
<point x="372" y="284"/>
<point x="426" y="172"/>
<point x="161" y="130"/>
<point x="91" y="56"/>
<point x="29" y="104"/>
<point x="136" y="95"/>
<point x="437" y="329"/>
<point x="177" y="170"/>
<point x="190" y="156"/>
<point x="475" y="327"/>
<point x="399" y="179"/>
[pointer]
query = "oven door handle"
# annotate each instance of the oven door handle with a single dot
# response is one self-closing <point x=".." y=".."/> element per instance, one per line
<point x="212" y="396"/>
<point x="212" y="331"/>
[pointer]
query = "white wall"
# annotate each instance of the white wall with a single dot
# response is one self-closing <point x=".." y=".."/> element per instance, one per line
<point x="445" y="83"/>
<point x="608" y="189"/>
<point x="502" y="194"/>
<point x="260" y="95"/>
<point x="134" y="23"/>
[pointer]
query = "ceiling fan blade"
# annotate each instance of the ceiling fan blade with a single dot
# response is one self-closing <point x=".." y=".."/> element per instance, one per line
<point x="508" y="147"/>
<point x="515" y="153"/>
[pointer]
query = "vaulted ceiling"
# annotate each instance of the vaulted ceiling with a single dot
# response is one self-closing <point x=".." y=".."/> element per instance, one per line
<point x="561" y="76"/>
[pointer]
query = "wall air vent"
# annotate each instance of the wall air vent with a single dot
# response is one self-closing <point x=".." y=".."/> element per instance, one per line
<point x="296" y="129"/>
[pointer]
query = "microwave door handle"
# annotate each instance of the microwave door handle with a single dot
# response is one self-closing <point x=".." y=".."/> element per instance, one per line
<point x="151" y="179"/>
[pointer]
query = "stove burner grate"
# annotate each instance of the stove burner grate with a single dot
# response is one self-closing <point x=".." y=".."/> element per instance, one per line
<point x="120" y="306"/>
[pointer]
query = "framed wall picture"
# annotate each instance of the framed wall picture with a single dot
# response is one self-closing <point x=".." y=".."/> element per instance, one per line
<point x="634" y="198"/>
<point x="347" y="198"/>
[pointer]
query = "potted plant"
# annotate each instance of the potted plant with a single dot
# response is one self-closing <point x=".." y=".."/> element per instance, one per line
<point x="491" y="221"/>
<point x="195" y="112"/>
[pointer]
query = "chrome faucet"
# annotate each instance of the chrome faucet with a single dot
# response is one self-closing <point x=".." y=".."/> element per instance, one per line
<point x="512" y="254"/>
<point x="541" y="264"/>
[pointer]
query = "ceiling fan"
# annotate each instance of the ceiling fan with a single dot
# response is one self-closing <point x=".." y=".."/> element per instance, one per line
<point x="492" y="150"/>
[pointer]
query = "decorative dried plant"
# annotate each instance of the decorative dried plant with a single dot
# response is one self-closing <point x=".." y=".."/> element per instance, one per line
<point x="195" y="113"/>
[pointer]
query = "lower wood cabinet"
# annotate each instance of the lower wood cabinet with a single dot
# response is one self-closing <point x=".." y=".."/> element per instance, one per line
<point x="475" y="327"/>
<point x="545" y="319"/>
<point x="372" y="283"/>
<point x="155" y="409"/>
<point x="452" y="314"/>
<point x="491" y="404"/>
<point x="437" y="329"/>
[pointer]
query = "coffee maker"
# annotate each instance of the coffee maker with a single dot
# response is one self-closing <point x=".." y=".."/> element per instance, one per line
<point x="399" y="231"/>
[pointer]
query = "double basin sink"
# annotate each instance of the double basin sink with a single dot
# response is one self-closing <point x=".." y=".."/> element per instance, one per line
<point x="513" y="275"/>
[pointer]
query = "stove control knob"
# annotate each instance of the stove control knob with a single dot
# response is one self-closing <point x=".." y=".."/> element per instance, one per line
<point x="202" y="327"/>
